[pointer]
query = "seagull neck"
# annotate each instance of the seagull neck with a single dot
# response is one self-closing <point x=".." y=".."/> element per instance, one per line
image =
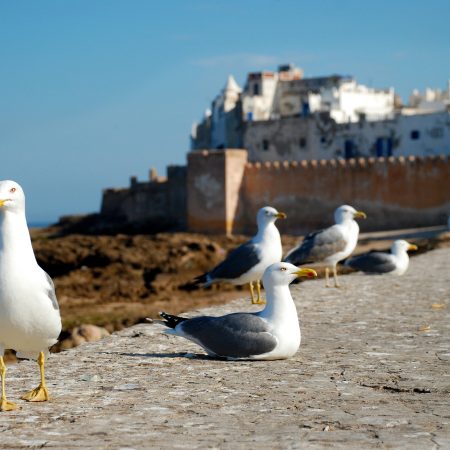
<point x="279" y="303"/>
<point x="14" y="236"/>
<point x="346" y="222"/>
<point x="267" y="231"/>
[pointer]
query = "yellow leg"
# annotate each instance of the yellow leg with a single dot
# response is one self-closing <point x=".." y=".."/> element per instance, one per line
<point x="327" y="277"/>
<point x="336" y="283"/>
<point x="5" y="405"/>
<point x="252" y="292"/>
<point x="257" y="300"/>
<point x="40" y="394"/>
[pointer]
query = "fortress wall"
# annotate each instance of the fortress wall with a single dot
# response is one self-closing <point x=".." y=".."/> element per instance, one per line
<point x="394" y="192"/>
<point x="154" y="205"/>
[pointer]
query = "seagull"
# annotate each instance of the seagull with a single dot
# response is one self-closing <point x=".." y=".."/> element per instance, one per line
<point x="30" y="321"/>
<point x="331" y="245"/>
<point x="273" y="333"/>
<point x="246" y="263"/>
<point x="395" y="263"/>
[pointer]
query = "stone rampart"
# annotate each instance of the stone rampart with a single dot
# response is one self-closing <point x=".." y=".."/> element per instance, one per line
<point x="395" y="192"/>
<point x="155" y="205"/>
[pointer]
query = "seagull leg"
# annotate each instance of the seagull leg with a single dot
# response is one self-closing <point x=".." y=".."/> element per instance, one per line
<point x="252" y="293"/>
<point x="40" y="394"/>
<point x="336" y="283"/>
<point x="5" y="405"/>
<point x="259" y="301"/>
<point x="327" y="278"/>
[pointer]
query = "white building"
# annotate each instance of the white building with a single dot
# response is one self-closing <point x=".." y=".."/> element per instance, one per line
<point x="432" y="100"/>
<point x="283" y="116"/>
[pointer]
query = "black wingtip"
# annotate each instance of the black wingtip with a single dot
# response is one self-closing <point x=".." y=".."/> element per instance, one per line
<point x="201" y="279"/>
<point x="170" y="320"/>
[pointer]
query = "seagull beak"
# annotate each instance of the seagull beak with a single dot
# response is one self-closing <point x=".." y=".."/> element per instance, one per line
<point x="412" y="247"/>
<point x="360" y="215"/>
<point x="309" y="273"/>
<point x="281" y="215"/>
<point x="2" y="202"/>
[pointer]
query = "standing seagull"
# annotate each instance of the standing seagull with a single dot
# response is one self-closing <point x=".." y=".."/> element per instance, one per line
<point x="395" y="263"/>
<point x="273" y="333"/>
<point x="331" y="245"/>
<point x="29" y="315"/>
<point x="247" y="263"/>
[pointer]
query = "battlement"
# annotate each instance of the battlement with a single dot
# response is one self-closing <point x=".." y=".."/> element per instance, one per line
<point x="347" y="163"/>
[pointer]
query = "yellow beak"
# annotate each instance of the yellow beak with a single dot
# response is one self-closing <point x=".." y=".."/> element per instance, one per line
<point x="413" y="247"/>
<point x="281" y="215"/>
<point x="2" y="202"/>
<point x="360" y="215"/>
<point x="309" y="273"/>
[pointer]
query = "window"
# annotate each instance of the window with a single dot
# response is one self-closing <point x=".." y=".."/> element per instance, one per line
<point x="265" y="144"/>
<point x="256" y="89"/>
<point x="302" y="142"/>
<point x="415" y="134"/>
<point x="437" y="133"/>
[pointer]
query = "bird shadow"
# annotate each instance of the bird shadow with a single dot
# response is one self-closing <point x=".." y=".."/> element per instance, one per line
<point x="198" y="356"/>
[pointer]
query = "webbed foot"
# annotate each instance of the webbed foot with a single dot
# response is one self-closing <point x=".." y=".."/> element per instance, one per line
<point x="40" y="394"/>
<point x="5" y="405"/>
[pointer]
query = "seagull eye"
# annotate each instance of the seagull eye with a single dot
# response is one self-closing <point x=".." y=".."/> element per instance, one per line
<point x="283" y="269"/>
<point x="12" y="190"/>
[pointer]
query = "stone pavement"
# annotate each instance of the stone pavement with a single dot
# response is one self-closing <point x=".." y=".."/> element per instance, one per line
<point x="372" y="372"/>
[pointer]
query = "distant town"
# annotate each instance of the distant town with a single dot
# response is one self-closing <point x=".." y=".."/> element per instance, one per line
<point x="283" y="116"/>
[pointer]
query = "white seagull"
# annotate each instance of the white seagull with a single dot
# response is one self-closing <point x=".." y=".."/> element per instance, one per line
<point x="395" y="263"/>
<point x="331" y="245"/>
<point x="273" y="333"/>
<point x="247" y="263"/>
<point x="30" y="321"/>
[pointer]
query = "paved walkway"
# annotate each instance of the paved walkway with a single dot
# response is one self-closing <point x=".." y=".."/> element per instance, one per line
<point x="372" y="372"/>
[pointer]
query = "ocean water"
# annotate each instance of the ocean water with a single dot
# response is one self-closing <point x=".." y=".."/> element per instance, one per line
<point x="39" y="224"/>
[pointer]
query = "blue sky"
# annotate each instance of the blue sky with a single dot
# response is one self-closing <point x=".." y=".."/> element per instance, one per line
<point x="94" y="91"/>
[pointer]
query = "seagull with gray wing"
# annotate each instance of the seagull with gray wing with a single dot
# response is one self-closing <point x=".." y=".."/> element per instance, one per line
<point x="30" y="321"/>
<point x="331" y="245"/>
<point x="247" y="263"/>
<point x="273" y="333"/>
<point x="394" y="263"/>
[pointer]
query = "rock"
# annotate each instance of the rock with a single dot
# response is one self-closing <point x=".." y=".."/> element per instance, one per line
<point x="82" y="334"/>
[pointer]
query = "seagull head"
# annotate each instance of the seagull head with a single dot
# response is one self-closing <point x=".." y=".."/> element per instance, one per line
<point x="12" y="197"/>
<point x="282" y="274"/>
<point x="346" y="212"/>
<point x="402" y="246"/>
<point x="268" y="215"/>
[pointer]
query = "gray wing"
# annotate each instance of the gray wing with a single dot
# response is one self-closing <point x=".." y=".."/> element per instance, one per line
<point x="237" y="335"/>
<point x="372" y="262"/>
<point x="317" y="246"/>
<point x="51" y="291"/>
<point x="238" y="262"/>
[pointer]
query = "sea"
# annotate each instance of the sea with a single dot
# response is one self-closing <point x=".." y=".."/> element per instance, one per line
<point x="39" y="224"/>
